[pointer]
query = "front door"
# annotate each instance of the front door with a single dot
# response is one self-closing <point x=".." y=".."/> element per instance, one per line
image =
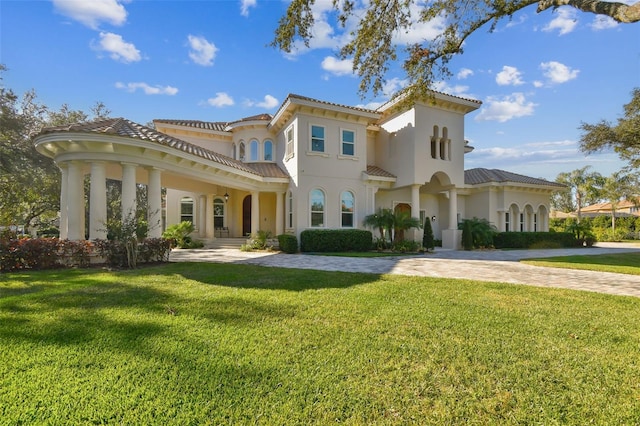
<point x="246" y="215"/>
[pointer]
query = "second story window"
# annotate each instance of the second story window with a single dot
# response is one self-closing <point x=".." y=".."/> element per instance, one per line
<point x="317" y="139"/>
<point x="268" y="151"/>
<point x="253" y="150"/>
<point x="348" y="146"/>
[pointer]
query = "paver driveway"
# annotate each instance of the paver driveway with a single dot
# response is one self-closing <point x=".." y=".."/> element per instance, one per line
<point x="494" y="265"/>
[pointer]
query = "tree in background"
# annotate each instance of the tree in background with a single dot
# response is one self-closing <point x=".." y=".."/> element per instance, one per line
<point x="617" y="187"/>
<point x="29" y="181"/>
<point x="624" y="137"/>
<point x="372" y="48"/>
<point x="584" y="188"/>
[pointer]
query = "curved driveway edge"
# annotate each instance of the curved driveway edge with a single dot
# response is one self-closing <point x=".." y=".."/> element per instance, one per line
<point x="490" y="265"/>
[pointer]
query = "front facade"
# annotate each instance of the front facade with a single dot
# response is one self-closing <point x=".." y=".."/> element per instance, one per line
<point x="311" y="165"/>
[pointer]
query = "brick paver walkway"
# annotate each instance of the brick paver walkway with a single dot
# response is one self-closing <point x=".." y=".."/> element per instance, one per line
<point x="495" y="265"/>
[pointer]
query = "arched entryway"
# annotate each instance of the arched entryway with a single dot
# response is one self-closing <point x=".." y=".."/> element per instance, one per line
<point x="400" y="208"/>
<point x="246" y="215"/>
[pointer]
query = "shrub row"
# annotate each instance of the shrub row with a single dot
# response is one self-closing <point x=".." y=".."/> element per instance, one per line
<point x="535" y="239"/>
<point x="49" y="253"/>
<point x="335" y="240"/>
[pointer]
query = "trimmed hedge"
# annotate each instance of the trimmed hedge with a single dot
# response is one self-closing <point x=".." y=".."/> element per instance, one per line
<point x="335" y="240"/>
<point x="288" y="243"/>
<point x="535" y="239"/>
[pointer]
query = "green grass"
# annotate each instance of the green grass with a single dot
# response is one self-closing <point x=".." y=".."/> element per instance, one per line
<point x="238" y="344"/>
<point x="622" y="263"/>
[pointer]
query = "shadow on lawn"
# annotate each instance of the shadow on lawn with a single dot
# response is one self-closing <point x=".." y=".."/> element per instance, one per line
<point x="74" y="316"/>
<point x="270" y="278"/>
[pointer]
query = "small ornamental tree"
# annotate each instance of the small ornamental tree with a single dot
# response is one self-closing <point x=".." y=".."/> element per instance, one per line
<point x="428" y="242"/>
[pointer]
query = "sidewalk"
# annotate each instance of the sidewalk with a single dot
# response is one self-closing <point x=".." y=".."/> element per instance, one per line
<point x="490" y="265"/>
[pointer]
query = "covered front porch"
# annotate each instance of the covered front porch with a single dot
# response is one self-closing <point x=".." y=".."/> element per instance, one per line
<point x="122" y="150"/>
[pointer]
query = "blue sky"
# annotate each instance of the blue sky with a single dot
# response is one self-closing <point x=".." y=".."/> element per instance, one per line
<point x="538" y="75"/>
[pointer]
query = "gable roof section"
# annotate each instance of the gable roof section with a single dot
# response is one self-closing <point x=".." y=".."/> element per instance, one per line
<point x="125" y="128"/>
<point x="481" y="176"/>
<point x="623" y="204"/>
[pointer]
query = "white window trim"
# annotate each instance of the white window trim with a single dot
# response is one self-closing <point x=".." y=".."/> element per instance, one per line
<point x="324" y="139"/>
<point x="290" y="145"/>
<point x="355" y="139"/>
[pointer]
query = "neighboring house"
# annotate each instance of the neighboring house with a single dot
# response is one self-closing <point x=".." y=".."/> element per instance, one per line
<point x="623" y="208"/>
<point x="311" y="165"/>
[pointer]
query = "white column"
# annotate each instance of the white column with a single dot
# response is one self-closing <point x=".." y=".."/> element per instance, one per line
<point x="415" y="207"/>
<point x="75" y="201"/>
<point x="64" y="201"/>
<point x="154" y="195"/>
<point x="255" y="212"/>
<point x="202" y="216"/>
<point x="280" y="212"/>
<point x="437" y="148"/>
<point x="128" y="191"/>
<point x="209" y="221"/>
<point x="453" y="208"/>
<point x="98" y="202"/>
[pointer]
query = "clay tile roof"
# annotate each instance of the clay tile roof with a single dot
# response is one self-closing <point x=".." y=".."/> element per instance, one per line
<point x="306" y="98"/>
<point x="480" y="176"/>
<point x="377" y="171"/>
<point x="268" y="170"/>
<point x="126" y="128"/>
<point x="206" y="125"/>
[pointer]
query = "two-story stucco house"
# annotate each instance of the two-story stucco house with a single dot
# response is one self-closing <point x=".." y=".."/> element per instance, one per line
<point x="313" y="164"/>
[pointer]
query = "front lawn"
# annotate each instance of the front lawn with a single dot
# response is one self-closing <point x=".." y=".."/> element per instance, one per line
<point x="189" y="343"/>
<point x="622" y="263"/>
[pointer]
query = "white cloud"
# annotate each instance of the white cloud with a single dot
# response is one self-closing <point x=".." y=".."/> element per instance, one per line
<point x="390" y="87"/>
<point x="147" y="89"/>
<point x="558" y="73"/>
<point x="91" y="13"/>
<point x="457" y="90"/>
<point x="565" y="22"/>
<point x="506" y="108"/>
<point x="117" y="48"/>
<point x="338" y="67"/>
<point x="509" y="76"/>
<point x="464" y="73"/>
<point x="221" y="100"/>
<point x="245" y="5"/>
<point x="538" y="84"/>
<point x="602" y="22"/>
<point x="419" y="32"/>
<point x="269" y="102"/>
<point x="202" y="51"/>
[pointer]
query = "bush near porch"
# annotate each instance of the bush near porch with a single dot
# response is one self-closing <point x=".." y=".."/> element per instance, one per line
<point x="50" y="253"/>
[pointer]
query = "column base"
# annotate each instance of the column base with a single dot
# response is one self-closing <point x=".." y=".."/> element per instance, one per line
<point x="452" y="239"/>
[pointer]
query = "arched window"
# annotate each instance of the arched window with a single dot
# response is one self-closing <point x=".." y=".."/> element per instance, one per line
<point x="434" y="142"/>
<point x="268" y="150"/>
<point x="253" y="150"/>
<point x="317" y="208"/>
<point x="218" y="213"/>
<point x="444" y="144"/>
<point x="347" y="204"/>
<point x="290" y="209"/>
<point x="186" y="209"/>
<point x="242" y="152"/>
